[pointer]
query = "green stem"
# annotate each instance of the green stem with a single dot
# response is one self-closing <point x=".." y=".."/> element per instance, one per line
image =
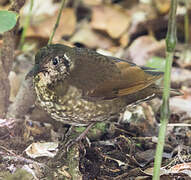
<point x="165" y="111"/>
<point x="57" y="22"/>
<point x="26" y="25"/>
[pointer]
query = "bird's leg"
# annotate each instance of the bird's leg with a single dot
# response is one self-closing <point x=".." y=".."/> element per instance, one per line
<point x="71" y="141"/>
<point x="84" y="133"/>
<point x="80" y="136"/>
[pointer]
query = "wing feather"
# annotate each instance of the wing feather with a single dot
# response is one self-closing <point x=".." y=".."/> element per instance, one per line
<point x="108" y="77"/>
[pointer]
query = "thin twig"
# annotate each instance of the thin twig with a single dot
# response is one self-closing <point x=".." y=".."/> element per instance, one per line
<point x="9" y="151"/>
<point x="57" y="22"/>
<point x="179" y="125"/>
<point x="26" y="25"/>
<point x="21" y="159"/>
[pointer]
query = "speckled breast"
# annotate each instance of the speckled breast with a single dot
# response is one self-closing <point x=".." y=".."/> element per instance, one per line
<point x="71" y="108"/>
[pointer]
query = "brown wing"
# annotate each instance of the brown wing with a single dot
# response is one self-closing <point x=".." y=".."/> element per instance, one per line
<point x="132" y="79"/>
<point x="107" y="77"/>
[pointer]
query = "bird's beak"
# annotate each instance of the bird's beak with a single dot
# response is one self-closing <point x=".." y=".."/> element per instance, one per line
<point x="33" y="72"/>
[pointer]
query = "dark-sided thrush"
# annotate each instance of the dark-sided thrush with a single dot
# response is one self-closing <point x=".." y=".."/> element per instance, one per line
<point x="78" y="86"/>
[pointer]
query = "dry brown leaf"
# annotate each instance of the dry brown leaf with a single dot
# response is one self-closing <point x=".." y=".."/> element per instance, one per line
<point x="162" y="6"/>
<point x="40" y="9"/>
<point x="147" y="47"/>
<point x="124" y="40"/>
<point x="66" y="26"/>
<point x="180" y="105"/>
<point x="91" y="39"/>
<point x="184" y="168"/>
<point x="41" y="149"/>
<point x="180" y="77"/>
<point x="110" y="19"/>
<point x="92" y="3"/>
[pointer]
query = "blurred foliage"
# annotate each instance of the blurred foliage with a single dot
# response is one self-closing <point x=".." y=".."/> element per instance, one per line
<point x="8" y="20"/>
<point x="156" y="62"/>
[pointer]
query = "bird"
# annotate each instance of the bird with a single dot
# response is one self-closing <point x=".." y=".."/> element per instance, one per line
<point x="78" y="86"/>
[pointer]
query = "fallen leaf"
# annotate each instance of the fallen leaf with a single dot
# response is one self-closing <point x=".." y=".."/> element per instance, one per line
<point x="162" y="6"/>
<point x="90" y="38"/>
<point x="110" y="19"/>
<point x="147" y="47"/>
<point x="92" y="3"/>
<point x="44" y="28"/>
<point x="42" y="149"/>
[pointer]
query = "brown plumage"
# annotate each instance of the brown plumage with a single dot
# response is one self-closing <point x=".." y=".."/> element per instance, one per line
<point x="79" y="86"/>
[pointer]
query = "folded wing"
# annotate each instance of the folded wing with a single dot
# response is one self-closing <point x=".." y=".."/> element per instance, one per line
<point x="106" y="77"/>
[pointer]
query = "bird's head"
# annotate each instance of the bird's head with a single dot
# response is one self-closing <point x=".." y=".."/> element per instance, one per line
<point x="52" y="63"/>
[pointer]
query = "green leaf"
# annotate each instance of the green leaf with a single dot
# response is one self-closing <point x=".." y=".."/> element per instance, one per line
<point x="8" y="20"/>
<point x="156" y="62"/>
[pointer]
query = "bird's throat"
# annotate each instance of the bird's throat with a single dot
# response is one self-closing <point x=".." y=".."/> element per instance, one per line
<point x="47" y="90"/>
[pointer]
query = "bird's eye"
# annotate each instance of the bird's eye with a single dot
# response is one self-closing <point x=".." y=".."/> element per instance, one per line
<point x="55" y="60"/>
